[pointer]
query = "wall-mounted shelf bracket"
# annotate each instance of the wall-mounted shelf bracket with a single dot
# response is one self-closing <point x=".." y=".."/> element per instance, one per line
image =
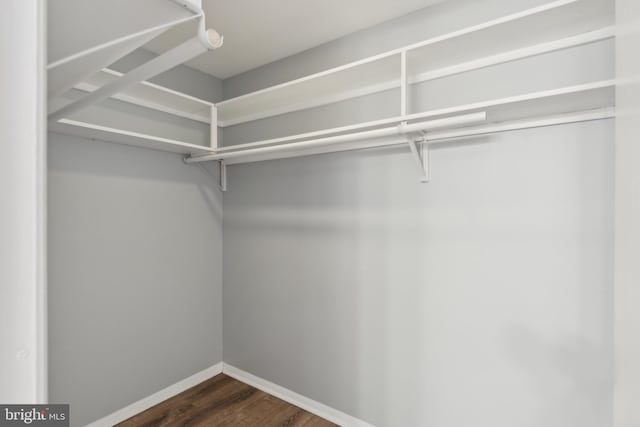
<point x="223" y="175"/>
<point x="420" y="153"/>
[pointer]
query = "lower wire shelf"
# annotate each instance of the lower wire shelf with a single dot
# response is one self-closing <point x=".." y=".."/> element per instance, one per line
<point x="583" y="102"/>
<point x="108" y="134"/>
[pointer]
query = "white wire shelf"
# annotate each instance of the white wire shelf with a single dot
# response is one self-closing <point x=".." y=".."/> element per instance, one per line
<point x="130" y="117"/>
<point x="153" y="96"/>
<point x="89" y="100"/>
<point x="460" y="134"/>
<point x="75" y="53"/>
<point x="508" y="38"/>
<point x="560" y="105"/>
<point x="582" y="97"/>
<point x="109" y="134"/>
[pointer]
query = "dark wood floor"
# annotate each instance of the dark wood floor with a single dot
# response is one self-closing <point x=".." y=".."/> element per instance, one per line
<point x="224" y="401"/>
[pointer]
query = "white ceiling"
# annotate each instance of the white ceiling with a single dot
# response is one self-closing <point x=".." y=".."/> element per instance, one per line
<point x="257" y="32"/>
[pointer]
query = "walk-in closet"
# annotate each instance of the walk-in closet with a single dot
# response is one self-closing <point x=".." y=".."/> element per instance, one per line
<point x="418" y="213"/>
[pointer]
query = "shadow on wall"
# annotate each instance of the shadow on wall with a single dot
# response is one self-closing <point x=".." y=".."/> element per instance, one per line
<point x="577" y="394"/>
<point x="134" y="162"/>
<point x="447" y="304"/>
<point x="135" y="283"/>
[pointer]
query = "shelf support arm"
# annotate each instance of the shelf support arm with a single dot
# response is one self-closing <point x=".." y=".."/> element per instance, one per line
<point x="222" y="174"/>
<point x="420" y="154"/>
<point x="404" y="84"/>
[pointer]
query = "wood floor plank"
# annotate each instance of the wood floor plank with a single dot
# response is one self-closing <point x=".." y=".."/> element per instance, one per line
<point x="172" y="411"/>
<point x="286" y="415"/>
<point x="224" y="402"/>
<point x="249" y="413"/>
<point x="309" y="420"/>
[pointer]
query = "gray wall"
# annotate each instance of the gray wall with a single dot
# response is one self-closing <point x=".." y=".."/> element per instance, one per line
<point x="135" y="276"/>
<point x="627" y="349"/>
<point x="135" y="282"/>
<point x="483" y="298"/>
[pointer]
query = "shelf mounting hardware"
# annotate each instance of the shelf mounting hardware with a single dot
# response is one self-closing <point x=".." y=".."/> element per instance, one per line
<point x="327" y="144"/>
<point x="222" y="174"/>
<point x="420" y="153"/>
<point x="419" y="150"/>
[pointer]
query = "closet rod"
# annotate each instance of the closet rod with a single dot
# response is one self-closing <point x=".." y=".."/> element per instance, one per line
<point x="560" y="119"/>
<point x="402" y="129"/>
<point x="443" y="136"/>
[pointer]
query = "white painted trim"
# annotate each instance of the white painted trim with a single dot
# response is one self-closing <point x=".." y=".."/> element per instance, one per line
<point x="280" y="392"/>
<point x="42" y="317"/>
<point x="160" y="396"/>
<point x="23" y="174"/>
<point x="294" y="398"/>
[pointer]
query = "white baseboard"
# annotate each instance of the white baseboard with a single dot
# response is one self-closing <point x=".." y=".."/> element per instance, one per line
<point x="162" y="395"/>
<point x="294" y="398"/>
<point x="287" y="395"/>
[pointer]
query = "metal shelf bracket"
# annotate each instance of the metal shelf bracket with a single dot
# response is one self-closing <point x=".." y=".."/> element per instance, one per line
<point x="420" y="153"/>
<point x="222" y="174"/>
